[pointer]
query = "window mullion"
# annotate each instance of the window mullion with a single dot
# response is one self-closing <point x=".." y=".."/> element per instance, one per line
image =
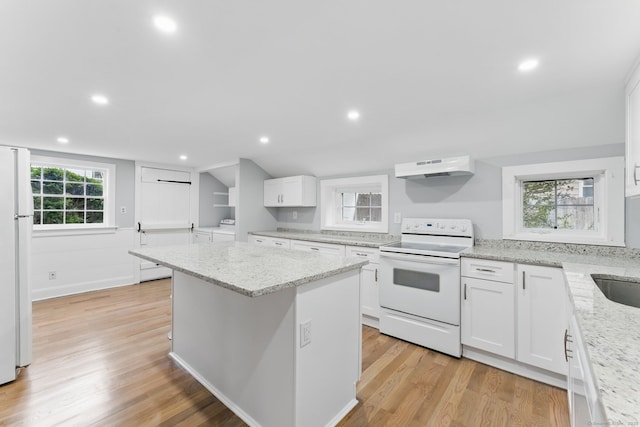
<point x="555" y="204"/>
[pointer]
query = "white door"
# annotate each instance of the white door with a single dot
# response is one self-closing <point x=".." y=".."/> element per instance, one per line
<point x="542" y="317"/>
<point x="488" y="316"/>
<point x="164" y="211"/>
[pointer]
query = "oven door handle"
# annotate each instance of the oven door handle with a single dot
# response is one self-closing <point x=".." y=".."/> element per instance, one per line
<point x="420" y="258"/>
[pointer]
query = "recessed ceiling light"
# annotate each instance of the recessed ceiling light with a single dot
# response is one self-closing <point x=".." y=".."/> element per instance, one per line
<point x="99" y="99"/>
<point x="353" y="115"/>
<point x="63" y="140"/>
<point x="183" y="157"/>
<point x="528" y="65"/>
<point x="264" y="139"/>
<point x="165" y="24"/>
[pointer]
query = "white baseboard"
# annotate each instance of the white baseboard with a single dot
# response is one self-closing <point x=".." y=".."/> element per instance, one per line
<point x="515" y="367"/>
<point x="78" y="288"/>
<point x="217" y="393"/>
<point x="343" y="413"/>
<point x="374" y="322"/>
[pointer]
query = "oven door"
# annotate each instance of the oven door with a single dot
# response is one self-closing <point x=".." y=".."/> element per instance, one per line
<point x="424" y="286"/>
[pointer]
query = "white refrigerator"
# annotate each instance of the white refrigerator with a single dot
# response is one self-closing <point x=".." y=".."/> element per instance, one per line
<point x="16" y="223"/>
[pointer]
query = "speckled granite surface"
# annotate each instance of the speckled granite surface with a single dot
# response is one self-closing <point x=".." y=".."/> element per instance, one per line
<point x="610" y="331"/>
<point x="370" y="240"/>
<point x="248" y="269"/>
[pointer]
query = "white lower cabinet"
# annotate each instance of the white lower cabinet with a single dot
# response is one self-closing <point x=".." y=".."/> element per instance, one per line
<point x="585" y="407"/>
<point x="369" y="300"/>
<point x="542" y="317"/>
<point x="201" y="237"/>
<point x="322" y="248"/>
<point x="487" y="316"/>
<point x="519" y="319"/>
<point x="269" y="241"/>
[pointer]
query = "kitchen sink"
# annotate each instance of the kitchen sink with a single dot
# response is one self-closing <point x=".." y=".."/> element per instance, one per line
<point x="621" y="291"/>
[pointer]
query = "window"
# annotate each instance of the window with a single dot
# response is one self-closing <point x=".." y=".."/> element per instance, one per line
<point x="71" y="194"/>
<point x="558" y="204"/>
<point x="569" y="202"/>
<point x="355" y="204"/>
<point x="359" y="208"/>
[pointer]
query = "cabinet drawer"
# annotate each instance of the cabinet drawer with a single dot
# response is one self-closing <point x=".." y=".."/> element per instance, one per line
<point x="499" y="271"/>
<point x="323" y="248"/>
<point x="372" y="254"/>
<point x="269" y="241"/>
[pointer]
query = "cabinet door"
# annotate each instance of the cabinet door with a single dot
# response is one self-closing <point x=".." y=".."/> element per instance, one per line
<point x="369" y="301"/>
<point x="633" y="135"/>
<point x="272" y="190"/>
<point x="291" y="194"/>
<point x="542" y="317"/>
<point x="488" y="316"/>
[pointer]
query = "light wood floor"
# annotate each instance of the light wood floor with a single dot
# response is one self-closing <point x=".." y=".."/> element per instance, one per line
<point x="101" y="359"/>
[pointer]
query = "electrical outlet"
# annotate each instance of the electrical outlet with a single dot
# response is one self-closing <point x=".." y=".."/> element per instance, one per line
<point x="295" y="215"/>
<point x="52" y="275"/>
<point x="123" y="209"/>
<point x="397" y="218"/>
<point x="305" y="333"/>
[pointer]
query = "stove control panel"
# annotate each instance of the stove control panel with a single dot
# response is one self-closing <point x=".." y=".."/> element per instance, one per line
<point x="444" y="227"/>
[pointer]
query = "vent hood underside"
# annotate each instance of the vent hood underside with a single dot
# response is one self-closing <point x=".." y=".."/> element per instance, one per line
<point x="450" y="166"/>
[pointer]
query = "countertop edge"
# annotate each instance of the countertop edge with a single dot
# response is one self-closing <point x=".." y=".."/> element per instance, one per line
<point x="310" y="237"/>
<point x="512" y="258"/>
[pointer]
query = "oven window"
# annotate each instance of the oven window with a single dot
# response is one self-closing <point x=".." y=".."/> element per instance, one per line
<point x="416" y="279"/>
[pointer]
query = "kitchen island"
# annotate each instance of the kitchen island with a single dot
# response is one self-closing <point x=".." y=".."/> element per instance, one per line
<point x="274" y="334"/>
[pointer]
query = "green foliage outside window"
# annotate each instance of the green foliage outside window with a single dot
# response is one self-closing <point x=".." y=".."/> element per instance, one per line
<point x="558" y="204"/>
<point x="67" y="196"/>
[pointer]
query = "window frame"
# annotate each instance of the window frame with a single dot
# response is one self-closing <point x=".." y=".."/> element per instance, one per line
<point x="108" y="191"/>
<point x="330" y="190"/>
<point x="608" y="174"/>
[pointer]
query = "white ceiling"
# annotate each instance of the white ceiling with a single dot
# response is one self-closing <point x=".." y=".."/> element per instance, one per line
<point x="431" y="78"/>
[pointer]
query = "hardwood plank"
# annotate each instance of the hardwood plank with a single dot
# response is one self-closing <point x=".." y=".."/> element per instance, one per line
<point x="101" y="358"/>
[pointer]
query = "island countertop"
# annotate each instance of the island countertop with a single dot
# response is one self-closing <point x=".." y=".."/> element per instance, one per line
<point x="248" y="269"/>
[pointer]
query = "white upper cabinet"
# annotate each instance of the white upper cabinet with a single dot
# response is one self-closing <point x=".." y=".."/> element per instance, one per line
<point x="290" y="191"/>
<point x="633" y="135"/>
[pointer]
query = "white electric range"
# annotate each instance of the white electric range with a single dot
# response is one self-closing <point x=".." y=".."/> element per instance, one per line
<point x="420" y="283"/>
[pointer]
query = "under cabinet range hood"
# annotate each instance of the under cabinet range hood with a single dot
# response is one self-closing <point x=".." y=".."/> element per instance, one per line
<point x="462" y="165"/>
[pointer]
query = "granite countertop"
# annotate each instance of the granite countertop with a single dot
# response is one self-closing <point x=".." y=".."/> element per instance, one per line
<point x="610" y="331"/>
<point x="248" y="269"/>
<point x="350" y="239"/>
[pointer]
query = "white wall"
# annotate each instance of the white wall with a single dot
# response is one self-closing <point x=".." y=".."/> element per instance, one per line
<point x="251" y="215"/>
<point x="478" y="197"/>
<point x="82" y="263"/>
<point x="86" y="262"/>
<point x="210" y="216"/>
